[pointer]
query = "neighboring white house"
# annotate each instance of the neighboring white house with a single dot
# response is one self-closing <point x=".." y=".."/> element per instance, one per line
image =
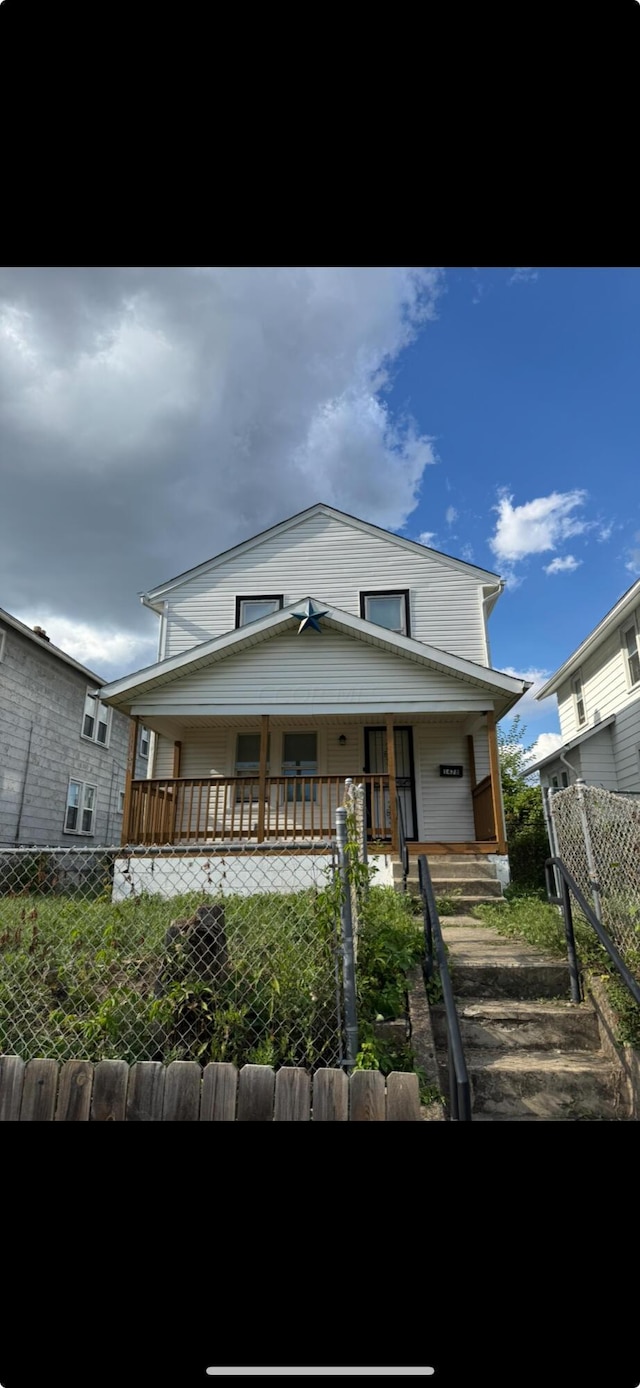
<point x="322" y="648"/>
<point x="598" y="692"/>
<point x="63" y="754"/>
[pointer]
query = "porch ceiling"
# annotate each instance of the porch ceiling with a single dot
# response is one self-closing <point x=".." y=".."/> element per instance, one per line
<point x="175" y="727"/>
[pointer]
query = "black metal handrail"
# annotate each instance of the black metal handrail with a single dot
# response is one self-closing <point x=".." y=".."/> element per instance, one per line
<point x="402" y="844"/>
<point x="568" y="885"/>
<point x="459" y="1087"/>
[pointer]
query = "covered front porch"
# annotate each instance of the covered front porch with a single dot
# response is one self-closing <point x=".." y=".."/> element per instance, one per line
<point x="216" y="781"/>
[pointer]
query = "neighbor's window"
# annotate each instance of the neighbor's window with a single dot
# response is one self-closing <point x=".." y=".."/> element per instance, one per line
<point x="2" y="640"/>
<point x="251" y="609"/>
<point x="564" y="777"/>
<point x="576" y="685"/>
<point x="554" y="782"/>
<point x="121" y="802"/>
<point x="387" y="609"/>
<point x="96" y="720"/>
<point x="630" y="635"/>
<point x="81" y="806"/>
<point x="144" y="742"/>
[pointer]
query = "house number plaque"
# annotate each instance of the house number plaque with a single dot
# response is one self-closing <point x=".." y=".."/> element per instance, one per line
<point x="450" y="770"/>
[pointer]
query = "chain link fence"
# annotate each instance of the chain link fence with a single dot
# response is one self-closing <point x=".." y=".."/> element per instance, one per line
<point x="158" y="954"/>
<point x="597" y="834"/>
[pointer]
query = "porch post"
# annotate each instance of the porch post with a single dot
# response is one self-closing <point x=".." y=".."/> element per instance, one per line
<point x="177" y="755"/>
<point x="262" y="773"/>
<point x="496" y="798"/>
<point x="391" y="767"/>
<point x="128" y="779"/>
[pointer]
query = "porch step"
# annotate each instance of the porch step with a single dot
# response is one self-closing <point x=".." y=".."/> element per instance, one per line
<point x="456" y="887"/>
<point x="462" y="904"/>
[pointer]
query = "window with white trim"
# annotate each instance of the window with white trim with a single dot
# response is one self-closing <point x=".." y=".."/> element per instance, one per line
<point x="632" y="651"/>
<point x="81" y="808"/>
<point x="144" y="742"/>
<point x="96" y="721"/>
<point x="578" y="696"/>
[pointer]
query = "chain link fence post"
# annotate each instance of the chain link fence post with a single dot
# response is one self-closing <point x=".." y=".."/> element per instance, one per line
<point x="348" y="953"/>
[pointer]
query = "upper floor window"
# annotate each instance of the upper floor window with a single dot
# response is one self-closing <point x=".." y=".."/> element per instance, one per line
<point x="576" y="685"/>
<point x="252" y="608"/>
<point x="81" y="808"/>
<point x="96" y="721"/>
<point x="632" y="651"/>
<point x="387" y="608"/>
<point x="144" y="742"/>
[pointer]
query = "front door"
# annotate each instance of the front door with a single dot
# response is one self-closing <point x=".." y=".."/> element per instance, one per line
<point x="375" y="763"/>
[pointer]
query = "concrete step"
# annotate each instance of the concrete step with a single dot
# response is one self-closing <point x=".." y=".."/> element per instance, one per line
<point x="444" y="868"/>
<point x="565" y="1085"/>
<point x="462" y="903"/>
<point x="486" y="1024"/>
<point x="469" y="886"/>
<point x="487" y="965"/>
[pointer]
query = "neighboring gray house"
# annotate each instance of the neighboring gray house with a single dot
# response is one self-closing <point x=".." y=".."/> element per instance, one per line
<point x="598" y="692"/>
<point x="63" y="754"/>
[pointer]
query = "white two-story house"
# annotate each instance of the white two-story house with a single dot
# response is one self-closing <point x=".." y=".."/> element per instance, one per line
<point x="598" y="693"/>
<point x="323" y="648"/>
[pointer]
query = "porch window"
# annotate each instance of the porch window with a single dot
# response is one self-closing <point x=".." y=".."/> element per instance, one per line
<point x="387" y="608"/>
<point x="81" y="805"/>
<point x="248" y="762"/>
<point x="252" y="608"/>
<point x="630" y="634"/>
<point x="300" y="759"/>
<point x="576" y="685"/>
<point x="96" y="720"/>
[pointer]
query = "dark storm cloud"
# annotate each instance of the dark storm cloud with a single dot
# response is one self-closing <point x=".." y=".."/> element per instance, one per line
<point x="151" y="417"/>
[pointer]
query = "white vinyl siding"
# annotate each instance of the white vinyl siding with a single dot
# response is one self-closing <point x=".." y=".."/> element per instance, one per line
<point x="329" y="560"/>
<point x="322" y="671"/>
<point x="597" y="760"/>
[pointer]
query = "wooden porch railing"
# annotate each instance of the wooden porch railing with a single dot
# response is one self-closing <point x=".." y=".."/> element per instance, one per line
<point x="483" y="816"/>
<point x="211" y="809"/>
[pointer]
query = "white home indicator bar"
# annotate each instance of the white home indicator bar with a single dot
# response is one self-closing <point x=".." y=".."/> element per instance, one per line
<point x="325" y="1372"/>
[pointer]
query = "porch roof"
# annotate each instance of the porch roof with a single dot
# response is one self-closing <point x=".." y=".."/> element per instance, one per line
<point x="125" y="693"/>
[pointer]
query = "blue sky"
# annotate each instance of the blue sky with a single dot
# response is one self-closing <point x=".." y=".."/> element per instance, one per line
<point x="151" y="417"/>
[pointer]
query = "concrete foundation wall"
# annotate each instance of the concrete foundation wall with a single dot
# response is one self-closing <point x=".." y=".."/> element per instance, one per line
<point x="231" y="874"/>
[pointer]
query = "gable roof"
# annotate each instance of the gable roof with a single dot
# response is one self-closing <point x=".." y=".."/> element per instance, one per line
<point x="48" y="646"/>
<point x="154" y="595"/>
<point x="616" y="614"/>
<point x="568" y="746"/>
<point x="121" y="692"/>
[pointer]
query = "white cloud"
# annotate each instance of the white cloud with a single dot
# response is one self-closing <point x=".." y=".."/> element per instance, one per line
<point x="537" y="525"/>
<point x="544" y="745"/>
<point x="451" y="515"/>
<point x="605" y="532"/>
<point x="633" y="562"/>
<point x="428" y="537"/>
<point x="523" y="274"/>
<point x="104" y="650"/>
<point x="467" y="553"/>
<point x="562" y="566"/>
<point x="527" y="706"/>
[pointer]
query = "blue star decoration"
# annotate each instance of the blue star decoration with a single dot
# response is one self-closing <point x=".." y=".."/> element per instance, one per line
<point x="310" y="616"/>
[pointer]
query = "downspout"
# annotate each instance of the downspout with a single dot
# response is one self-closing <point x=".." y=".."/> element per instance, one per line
<point x="24" y="785"/>
<point x="495" y="592"/>
<point x="571" y="768"/>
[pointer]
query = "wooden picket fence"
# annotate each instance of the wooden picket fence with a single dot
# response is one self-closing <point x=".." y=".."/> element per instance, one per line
<point x="182" y="1092"/>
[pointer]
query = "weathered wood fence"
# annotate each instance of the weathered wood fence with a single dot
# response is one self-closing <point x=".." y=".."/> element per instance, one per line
<point x="182" y="1092"/>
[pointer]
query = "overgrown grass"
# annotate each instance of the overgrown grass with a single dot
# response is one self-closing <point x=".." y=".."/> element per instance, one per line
<point x="528" y="916"/>
<point x="78" y="979"/>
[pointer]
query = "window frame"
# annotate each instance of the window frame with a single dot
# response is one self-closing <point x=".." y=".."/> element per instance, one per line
<point x="387" y="593"/>
<point x="577" y="679"/>
<point x="631" y="625"/>
<point x="93" y="737"/>
<point x="141" y="753"/>
<point x="81" y="808"/>
<point x="256" y="597"/>
<point x="3" y="644"/>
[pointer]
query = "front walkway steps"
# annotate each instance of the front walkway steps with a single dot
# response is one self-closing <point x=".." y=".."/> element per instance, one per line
<point x="532" y="1055"/>
<point x="467" y="879"/>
